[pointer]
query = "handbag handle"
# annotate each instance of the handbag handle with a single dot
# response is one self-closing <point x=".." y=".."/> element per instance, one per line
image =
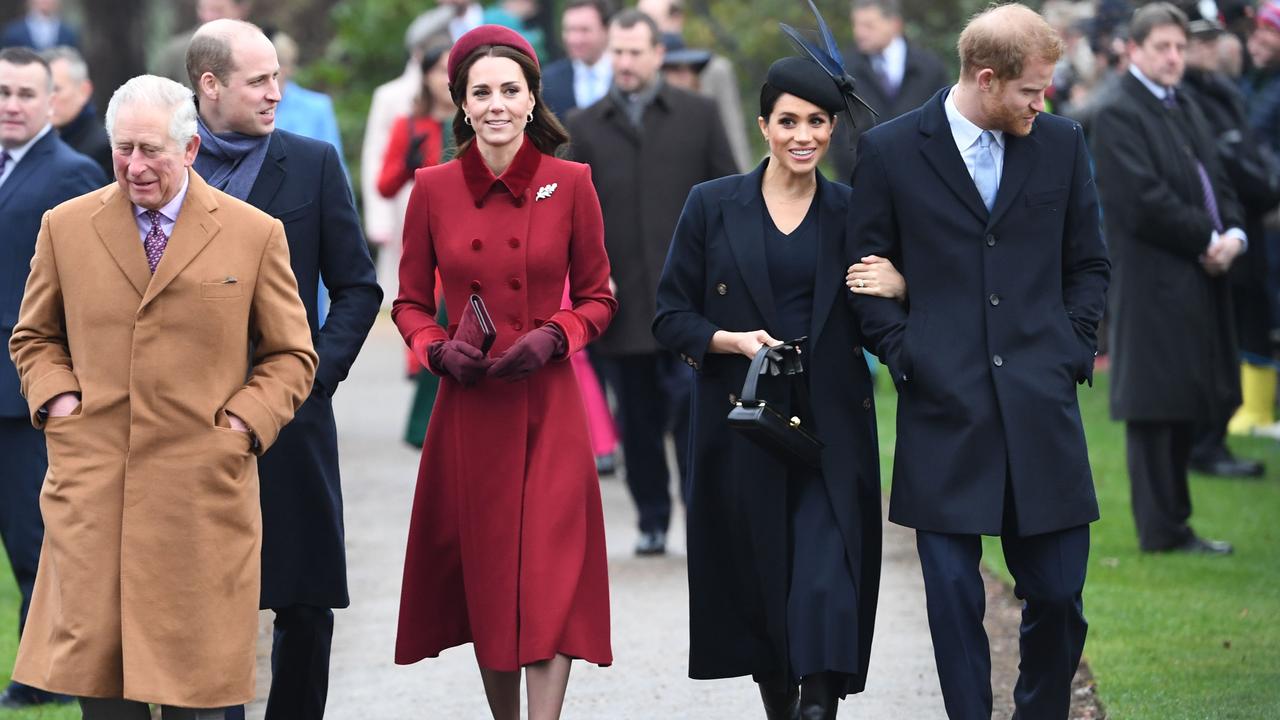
<point x="753" y="375"/>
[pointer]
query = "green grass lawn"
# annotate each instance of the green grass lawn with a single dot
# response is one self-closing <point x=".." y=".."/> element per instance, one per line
<point x="1173" y="636"/>
<point x="9" y="647"/>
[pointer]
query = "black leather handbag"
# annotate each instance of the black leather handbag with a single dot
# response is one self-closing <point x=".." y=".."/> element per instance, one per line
<point x="754" y="417"/>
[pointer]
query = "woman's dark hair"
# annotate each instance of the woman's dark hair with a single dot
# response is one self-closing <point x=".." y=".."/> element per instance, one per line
<point x="546" y="132"/>
<point x="769" y="95"/>
<point x="423" y="103"/>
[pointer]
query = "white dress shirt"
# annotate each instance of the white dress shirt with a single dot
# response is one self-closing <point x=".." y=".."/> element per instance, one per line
<point x="892" y="61"/>
<point x="966" y="134"/>
<point x="168" y="213"/>
<point x="16" y="154"/>
<point x="591" y="82"/>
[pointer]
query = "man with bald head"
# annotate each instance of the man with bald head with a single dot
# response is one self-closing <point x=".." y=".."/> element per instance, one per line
<point x="235" y="72"/>
<point x="161" y="347"/>
<point x="989" y="209"/>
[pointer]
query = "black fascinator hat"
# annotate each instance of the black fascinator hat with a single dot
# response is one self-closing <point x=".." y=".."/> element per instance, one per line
<point x="806" y="80"/>
<point x="828" y="59"/>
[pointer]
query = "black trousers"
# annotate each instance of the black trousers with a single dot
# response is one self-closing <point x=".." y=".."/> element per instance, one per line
<point x="21" y="526"/>
<point x="1158" y="453"/>
<point x="653" y="392"/>
<point x="1048" y="572"/>
<point x="299" y="664"/>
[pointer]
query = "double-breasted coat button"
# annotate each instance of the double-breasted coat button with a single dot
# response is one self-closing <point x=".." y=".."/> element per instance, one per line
<point x="476" y="244"/>
<point x="997" y="361"/>
<point x="722" y="288"/>
<point x="475" y="286"/>
<point x="991" y="240"/>
<point x="994" y="299"/>
<point x="514" y="283"/>
<point x="517" y="325"/>
<point x="514" y="243"/>
<point x="866" y="403"/>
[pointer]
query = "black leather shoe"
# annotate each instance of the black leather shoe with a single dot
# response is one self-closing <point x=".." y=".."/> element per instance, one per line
<point x="1229" y="466"/>
<point x="18" y="696"/>
<point x="1198" y="545"/>
<point x="652" y="542"/>
<point x="780" y="704"/>
<point x="820" y="696"/>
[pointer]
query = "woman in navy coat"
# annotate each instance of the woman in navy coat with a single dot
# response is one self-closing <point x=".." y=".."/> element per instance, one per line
<point x="784" y="561"/>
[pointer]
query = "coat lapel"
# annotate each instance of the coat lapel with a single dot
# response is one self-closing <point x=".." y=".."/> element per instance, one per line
<point x="24" y="169"/>
<point x="118" y="230"/>
<point x="196" y="226"/>
<point x="1020" y="156"/>
<point x="832" y="217"/>
<point x="941" y="153"/>
<point x="743" y="214"/>
<point x="270" y="176"/>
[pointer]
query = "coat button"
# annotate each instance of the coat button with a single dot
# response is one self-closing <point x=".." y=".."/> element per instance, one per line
<point x="514" y="283"/>
<point x="722" y="288"/>
<point x="997" y="360"/>
<point x="476" y="244"/>
<point x="991" y="240"/>
<point x="514" y="243"/>
<point x="517" y="325"/>
<point x="866" y="403"/>
<point x="994" y="299"/>
<point x="475" y="286"/>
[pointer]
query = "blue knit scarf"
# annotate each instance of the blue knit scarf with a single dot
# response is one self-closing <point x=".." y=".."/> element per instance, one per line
<point x="230" y="161"/>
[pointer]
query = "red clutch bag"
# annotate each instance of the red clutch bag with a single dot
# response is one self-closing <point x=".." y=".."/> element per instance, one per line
<point x="475" y="328"/>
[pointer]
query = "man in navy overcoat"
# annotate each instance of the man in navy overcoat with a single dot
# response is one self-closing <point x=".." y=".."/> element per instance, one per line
<point x="990" y="212"/>
<point x="37" y="172"/>
<point x="299" y="181"/>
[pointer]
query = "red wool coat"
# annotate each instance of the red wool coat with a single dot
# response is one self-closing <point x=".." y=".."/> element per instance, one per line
<point x="506" y="539"/>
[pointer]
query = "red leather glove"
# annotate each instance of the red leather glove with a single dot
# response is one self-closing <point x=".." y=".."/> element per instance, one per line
<point x="461" y="361"/>
<point x="529" y="353"/>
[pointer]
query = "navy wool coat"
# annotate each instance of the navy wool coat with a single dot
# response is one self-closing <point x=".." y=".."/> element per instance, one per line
<point x="1001" y="324"/>
<point x="302" y="184"/>
<point x="716" y="278"/>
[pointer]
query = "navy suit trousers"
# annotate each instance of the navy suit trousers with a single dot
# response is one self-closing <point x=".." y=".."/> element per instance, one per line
<point x="299" y="664"/>
<point x="1048" y="572"/>
<point x="21" y="526"/>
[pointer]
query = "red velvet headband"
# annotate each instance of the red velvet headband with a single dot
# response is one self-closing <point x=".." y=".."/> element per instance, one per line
<point x="487" y="35"/>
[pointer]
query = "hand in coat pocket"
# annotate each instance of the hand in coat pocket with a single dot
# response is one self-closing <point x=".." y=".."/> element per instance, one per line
<point x="63" y="405"/>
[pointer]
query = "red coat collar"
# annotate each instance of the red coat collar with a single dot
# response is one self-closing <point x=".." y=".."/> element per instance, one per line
<point x="516" y="179"/>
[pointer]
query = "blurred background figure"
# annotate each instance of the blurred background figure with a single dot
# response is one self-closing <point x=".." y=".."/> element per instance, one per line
<point x="648" y="144"/>
<point x="41" y="29"/>
<point x="466" y="16"/>
<point x="171" y="60"/>
<point x="716" y="80"/>
<point x="384" y="218"/>
<point x="305" y="112"/>
<point x="584" y="75"/>
<point x="518" y="15"/>
<point x="682" y="66"/>
<point x="892" y="75"/>
<point x="74" y="115"/>
<point x="419" y="139"/>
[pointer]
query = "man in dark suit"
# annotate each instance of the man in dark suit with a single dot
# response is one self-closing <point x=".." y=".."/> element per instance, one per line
<point x="300" y="181"/>
<point x="37" y="172"/>
<point x="42" y="28"/>
<point x="582" y="78"/>
<point x="74" y="115"/>
<point x="892" y="75"/>
<point x="1174" y="224"/>
<point x="988" y="208"/>
<point x="647" y="144"/>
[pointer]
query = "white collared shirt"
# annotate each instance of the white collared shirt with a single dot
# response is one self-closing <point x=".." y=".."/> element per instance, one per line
<point x="893" y="60"/>
<point x="43" y="30"/>
<point x="591" y="82"/>
<point x="16" y="154"/>
<point x="966" y="134"/>
<point x="168" y="213"/>
<point x="1161" y="92"/>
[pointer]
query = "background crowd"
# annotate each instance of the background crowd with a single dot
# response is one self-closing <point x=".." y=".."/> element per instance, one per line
<point x="1190" y="343"/>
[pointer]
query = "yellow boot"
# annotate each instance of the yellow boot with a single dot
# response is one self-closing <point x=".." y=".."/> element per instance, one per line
<point x="1258" y="387"/>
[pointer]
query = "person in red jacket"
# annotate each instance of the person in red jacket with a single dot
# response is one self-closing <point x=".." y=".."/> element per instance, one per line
<point x="420" y="139"/>
<point x="506" y="542"/>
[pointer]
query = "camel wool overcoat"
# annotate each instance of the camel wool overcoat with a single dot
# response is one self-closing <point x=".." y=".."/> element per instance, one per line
<point x="149" y="573"/>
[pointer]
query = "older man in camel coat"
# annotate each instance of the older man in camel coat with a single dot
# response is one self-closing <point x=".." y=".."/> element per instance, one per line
<point x="161" y="346"/>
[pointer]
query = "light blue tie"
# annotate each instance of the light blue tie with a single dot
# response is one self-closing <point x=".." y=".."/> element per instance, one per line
<point x="984" y="170"/>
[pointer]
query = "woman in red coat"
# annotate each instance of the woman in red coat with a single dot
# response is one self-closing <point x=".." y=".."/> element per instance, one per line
<point x="506" y="541"/>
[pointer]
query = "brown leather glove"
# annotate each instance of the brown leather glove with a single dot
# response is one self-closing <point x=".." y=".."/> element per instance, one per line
<point x="529" y="353"/>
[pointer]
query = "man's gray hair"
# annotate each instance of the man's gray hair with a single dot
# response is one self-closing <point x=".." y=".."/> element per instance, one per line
<point x="77" y="68"/>
<point x="157" y="92"/>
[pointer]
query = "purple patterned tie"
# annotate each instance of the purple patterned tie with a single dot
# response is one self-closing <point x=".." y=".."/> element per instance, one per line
<point x="155" y="241"/>
<point x="1206" y="185"/>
